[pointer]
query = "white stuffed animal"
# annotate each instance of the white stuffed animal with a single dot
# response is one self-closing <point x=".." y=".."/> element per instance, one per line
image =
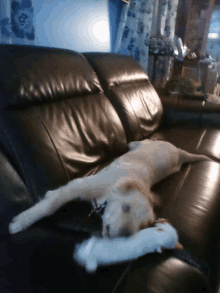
<point x="99" y="251"/>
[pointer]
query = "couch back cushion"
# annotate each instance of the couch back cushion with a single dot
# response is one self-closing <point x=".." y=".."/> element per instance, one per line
<point x="130" y="91"/>
<point x="56" y="124"/>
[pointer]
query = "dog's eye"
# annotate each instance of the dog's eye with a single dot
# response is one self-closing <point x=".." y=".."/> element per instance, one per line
<point x="126" y="208"/>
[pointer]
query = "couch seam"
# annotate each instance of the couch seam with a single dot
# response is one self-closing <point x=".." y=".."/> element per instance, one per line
<point x="131" y="108"/>
<point x="201" y="139"/>
<point x="111" y="123"/>
<point x="200" y="113"/>
<point x="178" y="189"/>
<point x="153" y="102"/>
<point x="106" y="88"/>
<point x="59" y="156"/>
<point x="122" y="276"/>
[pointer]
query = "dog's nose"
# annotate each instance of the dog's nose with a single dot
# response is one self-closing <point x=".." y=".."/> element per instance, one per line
<point x="125" y="232"/>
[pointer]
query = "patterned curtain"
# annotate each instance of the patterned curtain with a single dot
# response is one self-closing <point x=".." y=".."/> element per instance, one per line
<point x="16" y="22"/>
<point x="135" y="30"/>
<point x="135" y="27"/>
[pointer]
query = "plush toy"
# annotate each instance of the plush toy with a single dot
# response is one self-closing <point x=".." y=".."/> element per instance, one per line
<point x="99" y="251"/>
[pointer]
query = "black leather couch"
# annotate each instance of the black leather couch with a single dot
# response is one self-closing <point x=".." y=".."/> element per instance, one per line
<point x="65" y="115"/>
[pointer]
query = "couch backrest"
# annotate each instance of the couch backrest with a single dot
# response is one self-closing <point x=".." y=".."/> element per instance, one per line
<point x="56" y="123"/>
<point x="130" y="92"/>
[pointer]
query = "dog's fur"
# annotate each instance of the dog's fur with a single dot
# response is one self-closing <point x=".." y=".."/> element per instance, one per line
<point x="125" y="184"/>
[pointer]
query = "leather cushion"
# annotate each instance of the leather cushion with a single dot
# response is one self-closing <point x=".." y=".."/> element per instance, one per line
<point x="128" y="88"/>
<point x="156" y="273"/>
<point x="39" y="74"/>
<point x="67" y="129"/>
<point x="190" y="200"/>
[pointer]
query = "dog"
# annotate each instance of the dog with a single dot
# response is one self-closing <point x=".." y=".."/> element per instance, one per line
<point x="125" y="184"/>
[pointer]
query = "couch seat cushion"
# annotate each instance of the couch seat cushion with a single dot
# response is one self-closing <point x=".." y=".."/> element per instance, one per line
<point x="155" y="273"/>
<point x="191" y="201"/>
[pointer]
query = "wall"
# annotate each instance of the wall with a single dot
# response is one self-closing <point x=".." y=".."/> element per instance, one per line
<point x="80" y="25"/>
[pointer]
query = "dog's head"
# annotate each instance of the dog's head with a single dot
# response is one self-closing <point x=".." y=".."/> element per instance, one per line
<point x="130" y="209"/>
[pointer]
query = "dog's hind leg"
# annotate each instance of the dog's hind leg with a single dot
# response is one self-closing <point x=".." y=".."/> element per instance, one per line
<point x="185" y="157"/>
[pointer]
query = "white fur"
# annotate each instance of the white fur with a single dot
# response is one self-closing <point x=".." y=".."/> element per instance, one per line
<point x="124" y="183"/>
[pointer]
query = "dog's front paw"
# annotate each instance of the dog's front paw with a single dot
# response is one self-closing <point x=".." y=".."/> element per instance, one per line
<point x="15" y="226"/>
<point x="21" y="222"/>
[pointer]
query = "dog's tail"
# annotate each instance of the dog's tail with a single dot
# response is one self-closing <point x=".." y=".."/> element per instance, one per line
<point x="186" y="157"/>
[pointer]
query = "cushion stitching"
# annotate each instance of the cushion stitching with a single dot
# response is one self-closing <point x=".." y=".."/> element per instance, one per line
<point x="201" y="139"/>
<point x="133" y="108"/>
<point x="116" y="136"/>
<point x="157" y="103"/>
<point x="177" y="189"/>
<point x="135" y="115"/>
<point x="53" y="143"/>
<point x="124" y="274"/>
<point x="143" y="102"/>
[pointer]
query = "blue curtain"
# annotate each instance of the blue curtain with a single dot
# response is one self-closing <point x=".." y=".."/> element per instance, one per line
<point x="16" y="22"/>
<point x="135" y="29"/>
<point x="167" y="12"/>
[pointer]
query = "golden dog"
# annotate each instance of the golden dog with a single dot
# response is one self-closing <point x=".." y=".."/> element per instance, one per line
<point x="125" y="184"/>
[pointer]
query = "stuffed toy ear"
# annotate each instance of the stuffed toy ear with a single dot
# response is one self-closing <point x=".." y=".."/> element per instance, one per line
<point x="164" y="221"/>
<point x="161" y="221"/>
<point x="179" y="246"/>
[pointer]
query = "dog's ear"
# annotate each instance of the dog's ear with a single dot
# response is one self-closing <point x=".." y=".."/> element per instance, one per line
<point x="130" y="186"/>
<point x="148" y="224"/>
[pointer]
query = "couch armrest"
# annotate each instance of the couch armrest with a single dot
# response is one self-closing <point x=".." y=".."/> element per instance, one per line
<point x="181" y="111"/>
<point x="186" y="111"/>
<point x="210" y="114"/>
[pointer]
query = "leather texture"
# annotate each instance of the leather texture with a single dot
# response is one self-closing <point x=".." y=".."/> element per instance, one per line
<point x="130" y="92"/>
<point x="65" y="115"/>
<point x="48" y="119"/>
<point x="44" y="75"/>
<point x="194" y="139"/>
<point x="177" y="110"/>
<point x="11" y="183"/>
<point x="155" y="274"/>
